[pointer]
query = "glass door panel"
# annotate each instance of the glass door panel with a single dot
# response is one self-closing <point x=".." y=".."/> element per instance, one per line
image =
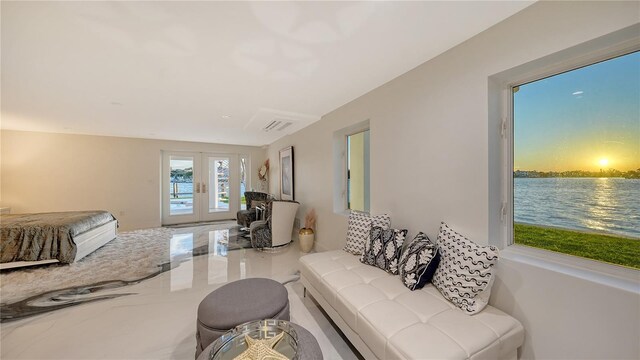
<point x="245" y="175"/>
<point x="220" y="177"/>
<point x="181" y="185"/>
<point x="218" y="184"/>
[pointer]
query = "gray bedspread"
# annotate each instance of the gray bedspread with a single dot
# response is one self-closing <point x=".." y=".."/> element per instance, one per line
<point x="45" y="236"/>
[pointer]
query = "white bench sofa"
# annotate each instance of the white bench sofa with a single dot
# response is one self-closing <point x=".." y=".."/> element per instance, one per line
<point x="385" y="320"/>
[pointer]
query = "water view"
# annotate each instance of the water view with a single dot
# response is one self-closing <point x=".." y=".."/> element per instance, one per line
<point x="604" y="205"/>
<point x="576" y="161"/>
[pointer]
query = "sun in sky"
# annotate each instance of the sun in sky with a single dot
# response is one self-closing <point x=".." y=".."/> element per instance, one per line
<point x="603" y="161"/>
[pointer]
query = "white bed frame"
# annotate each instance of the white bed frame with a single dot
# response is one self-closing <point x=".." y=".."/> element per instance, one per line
<point x="86" y="243"/>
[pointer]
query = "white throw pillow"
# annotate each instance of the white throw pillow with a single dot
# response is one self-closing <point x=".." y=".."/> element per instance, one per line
<point x="465" y="273"/>
<point x="359" y="230"/>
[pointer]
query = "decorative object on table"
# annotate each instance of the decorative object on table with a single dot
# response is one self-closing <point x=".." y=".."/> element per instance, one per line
<point x="274" y="233"/>
<point x="261" y="349"/>
<point x="307" y="347"/>
<point x="259" y="339"/>
<point x="465" y="273"/>
<point x="286" y="174"/>
<point x="306" y="234"/>
<point x="236" y="303"/>
<point x="384" y="248"/>
<point x="263" y="175"/>
<point x="419" y="262"/>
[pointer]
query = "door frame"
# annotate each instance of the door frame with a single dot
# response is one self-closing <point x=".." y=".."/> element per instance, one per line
<point x="234" y="188"/>
<point x="200" y="199"/>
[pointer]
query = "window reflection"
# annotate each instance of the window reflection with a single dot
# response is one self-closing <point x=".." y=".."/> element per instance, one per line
<point x="181" y="257"/>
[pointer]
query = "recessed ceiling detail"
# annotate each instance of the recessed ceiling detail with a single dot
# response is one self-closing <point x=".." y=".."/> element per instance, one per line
<point x="178" y="68"/>
<point x="277" y="123"/>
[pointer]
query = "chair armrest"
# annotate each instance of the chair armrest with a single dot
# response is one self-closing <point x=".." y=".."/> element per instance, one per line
<point x="258" y="225"/>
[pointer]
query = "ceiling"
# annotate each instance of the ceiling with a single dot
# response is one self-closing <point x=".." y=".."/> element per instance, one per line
<point x="218" y="72"/>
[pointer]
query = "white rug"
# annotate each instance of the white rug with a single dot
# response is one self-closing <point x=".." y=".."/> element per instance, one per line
<point x="130" y="257"/>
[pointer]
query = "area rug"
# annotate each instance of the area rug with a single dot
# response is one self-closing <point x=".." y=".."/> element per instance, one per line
<point x="130" y="258"/>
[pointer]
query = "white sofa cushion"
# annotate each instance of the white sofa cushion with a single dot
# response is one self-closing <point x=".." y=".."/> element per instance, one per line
<point x="396" y="323"/>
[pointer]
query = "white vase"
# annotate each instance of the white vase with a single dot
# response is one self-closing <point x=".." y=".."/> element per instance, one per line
<point x="306" y="237"/>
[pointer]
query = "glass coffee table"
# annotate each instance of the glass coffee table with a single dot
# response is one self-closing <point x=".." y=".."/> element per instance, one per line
<point x="233" y="343"/>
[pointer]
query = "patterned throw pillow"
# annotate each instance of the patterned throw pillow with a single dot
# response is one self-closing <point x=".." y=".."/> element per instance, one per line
<point x="419" y="262"/>
<point x="465" y="273"/>
<point x="384" y="248"/>
<point x="359" y="230"/>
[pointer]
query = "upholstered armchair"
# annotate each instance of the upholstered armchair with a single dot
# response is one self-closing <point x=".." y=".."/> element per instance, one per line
<point x="249" y="215"/>
<point x="276" y="230"/>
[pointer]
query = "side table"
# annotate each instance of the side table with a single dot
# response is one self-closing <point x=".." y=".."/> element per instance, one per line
<point x="308" y="347"/>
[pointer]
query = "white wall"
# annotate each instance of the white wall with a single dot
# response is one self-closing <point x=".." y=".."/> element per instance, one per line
<point x="430" y="162"/>
<point x="61" y="172"/>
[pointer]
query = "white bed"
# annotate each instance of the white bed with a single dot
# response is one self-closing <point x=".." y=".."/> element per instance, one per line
<point x="86" y="243"/>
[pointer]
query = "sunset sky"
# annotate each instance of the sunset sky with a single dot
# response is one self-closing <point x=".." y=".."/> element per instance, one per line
<point x="586" y="119"/>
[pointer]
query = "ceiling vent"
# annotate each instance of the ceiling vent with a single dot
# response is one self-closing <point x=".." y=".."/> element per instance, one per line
<point x="277" y="125"/>
<point x="274" y="124"/>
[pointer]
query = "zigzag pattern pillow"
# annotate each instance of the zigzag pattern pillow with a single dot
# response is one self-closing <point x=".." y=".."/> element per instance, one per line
<point x="419" y="262"/>
<point x="465" y="273"/>
<point x="359" y="230"/>
<point x="384" y="248"/>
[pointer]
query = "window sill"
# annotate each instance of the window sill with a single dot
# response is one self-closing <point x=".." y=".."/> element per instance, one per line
<point x="344" y="213"/>
<point x="590" y="270"/>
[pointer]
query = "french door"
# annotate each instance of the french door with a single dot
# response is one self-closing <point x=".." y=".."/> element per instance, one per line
<point x="199" y="187"/>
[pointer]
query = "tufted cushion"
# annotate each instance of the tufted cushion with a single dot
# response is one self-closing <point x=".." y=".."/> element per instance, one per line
<point x="384" y="248"/>
<point x="419" y="262"/>
<point x="359" y="229"/>
<point x="465" y="273"/>
<point x="396" y="323"/>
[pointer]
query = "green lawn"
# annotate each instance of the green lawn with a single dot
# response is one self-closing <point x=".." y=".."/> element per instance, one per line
<point x="611" y="249"/>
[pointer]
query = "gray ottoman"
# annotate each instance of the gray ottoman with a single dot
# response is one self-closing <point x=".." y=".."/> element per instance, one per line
<point x="236" y="303"/>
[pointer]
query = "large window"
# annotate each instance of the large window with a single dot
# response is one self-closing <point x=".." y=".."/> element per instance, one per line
<point x="351" y="168"/>
<point x="576" y="162"/>
<point x="358" y="171"/>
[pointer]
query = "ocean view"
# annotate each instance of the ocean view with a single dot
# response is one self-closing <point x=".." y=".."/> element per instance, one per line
<point x="603" y="205"/>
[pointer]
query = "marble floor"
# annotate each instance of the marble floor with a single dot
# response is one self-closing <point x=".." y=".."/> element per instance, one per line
<point x="157" y="321"/>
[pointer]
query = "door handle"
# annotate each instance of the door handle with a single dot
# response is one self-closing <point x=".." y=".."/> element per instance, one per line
<point x="197" y="188"/>
<point x="204" y="188"/>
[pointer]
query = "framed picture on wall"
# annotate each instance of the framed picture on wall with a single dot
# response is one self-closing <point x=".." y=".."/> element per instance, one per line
<point x="286" y="173"/>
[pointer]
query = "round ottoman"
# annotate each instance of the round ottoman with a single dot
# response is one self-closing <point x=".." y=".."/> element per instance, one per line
<point x="308" y="347"/>
<point x="236" y="303"/>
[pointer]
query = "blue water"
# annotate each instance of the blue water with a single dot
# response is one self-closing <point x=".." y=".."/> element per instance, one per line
<point x="187" y="188"/>
<point x="184" y="188"/>
<point x="604" y="205"/>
